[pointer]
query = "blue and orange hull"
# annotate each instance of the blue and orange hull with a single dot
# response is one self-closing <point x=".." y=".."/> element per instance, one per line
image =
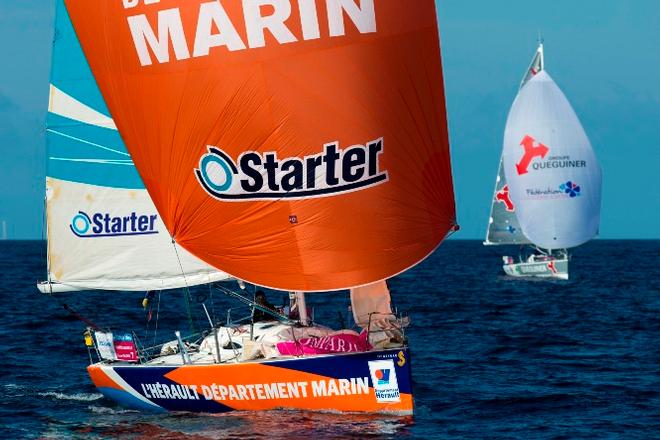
<point x="371" y="382"/>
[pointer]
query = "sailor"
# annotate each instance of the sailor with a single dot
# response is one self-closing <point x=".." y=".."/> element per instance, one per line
<point x="260" y="315"/>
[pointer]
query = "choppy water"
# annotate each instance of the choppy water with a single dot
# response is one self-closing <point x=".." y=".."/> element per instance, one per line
<point x="492" y="357"/>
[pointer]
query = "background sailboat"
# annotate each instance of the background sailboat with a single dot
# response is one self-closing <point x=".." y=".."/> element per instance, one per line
<point x="553" y="180"/>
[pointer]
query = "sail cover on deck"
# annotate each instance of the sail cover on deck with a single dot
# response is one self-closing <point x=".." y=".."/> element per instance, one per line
<point x="296" y="144"/>
<point x="103" y="230"/>
<point x="553" y="176"/>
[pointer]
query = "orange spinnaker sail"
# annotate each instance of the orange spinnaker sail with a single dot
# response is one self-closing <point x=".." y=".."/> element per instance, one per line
<point x="295" y="144"/>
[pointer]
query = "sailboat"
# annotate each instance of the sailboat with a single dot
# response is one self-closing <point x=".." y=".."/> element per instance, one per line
<point x="298" y="146"/>
<point x="548" y="188"/>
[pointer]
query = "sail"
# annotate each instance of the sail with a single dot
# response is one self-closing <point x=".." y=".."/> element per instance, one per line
<point x="104" y="232"/>
<point x="535" y="67"/>
<point x="553" y="176"/>
<point x="299" y="145"/>
<point x="503" y="226"/>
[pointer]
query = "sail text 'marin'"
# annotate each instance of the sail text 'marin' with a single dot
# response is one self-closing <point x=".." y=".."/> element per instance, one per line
<point x="155" y="35"/>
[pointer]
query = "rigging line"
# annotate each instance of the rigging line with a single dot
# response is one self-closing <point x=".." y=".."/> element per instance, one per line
<point x="75" y="314"/>
<point x="59" y="133"/>
<point x="100" y="161"/>
<point x="187" y="290"/>
<point x="212" y="303"/>
<point x="157" y="316"/>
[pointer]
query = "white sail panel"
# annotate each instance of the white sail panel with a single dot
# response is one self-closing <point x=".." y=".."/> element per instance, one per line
<point x="113" y="239"/>
<point x="503" y="226"/>
<point x="535" y="67"/>
<point x="103" y="229"/>
<point x="553" y="175"/>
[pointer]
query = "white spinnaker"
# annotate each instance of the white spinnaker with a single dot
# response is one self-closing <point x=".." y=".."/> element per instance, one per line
<point x="554" y="178"/>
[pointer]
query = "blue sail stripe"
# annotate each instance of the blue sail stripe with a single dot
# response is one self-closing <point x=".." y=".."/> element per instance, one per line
<point x="77" y="151"/>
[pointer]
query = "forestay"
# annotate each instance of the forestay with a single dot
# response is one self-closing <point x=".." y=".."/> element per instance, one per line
<point x="104" y="232"/>
<point x="553" y="176"/>
<point x="296" y="144"/>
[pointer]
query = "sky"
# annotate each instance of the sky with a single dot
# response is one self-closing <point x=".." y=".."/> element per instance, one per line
<point x="602" y="53"/>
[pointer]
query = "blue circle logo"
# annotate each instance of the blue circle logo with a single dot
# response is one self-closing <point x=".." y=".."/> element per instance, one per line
<point x="80" y="223"/>
<point x="216" y="172"/>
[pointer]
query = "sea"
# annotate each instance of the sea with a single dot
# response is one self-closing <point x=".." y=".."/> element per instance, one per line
<point x="493" y="357"/>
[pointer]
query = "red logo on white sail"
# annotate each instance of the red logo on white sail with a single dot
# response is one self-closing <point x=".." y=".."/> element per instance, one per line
<point x="531" y="151"/>
<point x="502" y="196"/>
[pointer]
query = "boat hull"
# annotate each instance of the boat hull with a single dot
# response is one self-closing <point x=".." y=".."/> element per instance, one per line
<point x="540" y="269"/>
<point x="371" y="382"/>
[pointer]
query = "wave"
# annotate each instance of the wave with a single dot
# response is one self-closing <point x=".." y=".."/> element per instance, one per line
<point x="110" y="411"/>
<point x="79" y="397"/>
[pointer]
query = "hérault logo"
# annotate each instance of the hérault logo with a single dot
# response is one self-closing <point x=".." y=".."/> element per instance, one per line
<point x="383" y="376"/>
<point x="265" y="176"/>
<point x="384" y="381"/>
<point x="101" y="224"/>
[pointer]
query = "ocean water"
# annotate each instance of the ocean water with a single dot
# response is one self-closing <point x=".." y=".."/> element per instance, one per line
<point x="492" y="357"/>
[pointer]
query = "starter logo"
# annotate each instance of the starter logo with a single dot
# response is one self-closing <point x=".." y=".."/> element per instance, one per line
<point x="100" y="224"/>
<point x="264" y="176"/>
<point x="383" y="378"/>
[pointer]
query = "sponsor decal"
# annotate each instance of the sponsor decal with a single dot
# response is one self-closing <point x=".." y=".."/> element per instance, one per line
<point x="164" y="32"/>
<point x="383" y="378"/>
<point x="502" y="196"/>
<point x="570" y="188"/>
<point x="534" y="268"/>
<point x="536" y="150"/>
<point x="531" y="151"/>
<point x="566" y="190"/>
<point x="258" y="391"/>
<point x="402" y="359"/>
<point x="264" y="176"/>
<point x="106" y="225"/>
<point x="105" y="346"/>
<point x="125" y="349"/>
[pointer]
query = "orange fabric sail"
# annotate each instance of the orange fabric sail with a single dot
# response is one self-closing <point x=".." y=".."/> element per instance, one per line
<point x="295" y="144"/>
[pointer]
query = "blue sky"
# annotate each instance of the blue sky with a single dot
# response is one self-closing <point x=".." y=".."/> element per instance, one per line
<point x="602" y="53"/>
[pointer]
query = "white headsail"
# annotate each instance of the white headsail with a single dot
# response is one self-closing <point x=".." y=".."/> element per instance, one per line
<point x="104" y="232"/>
<point x="553" y="176"/>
